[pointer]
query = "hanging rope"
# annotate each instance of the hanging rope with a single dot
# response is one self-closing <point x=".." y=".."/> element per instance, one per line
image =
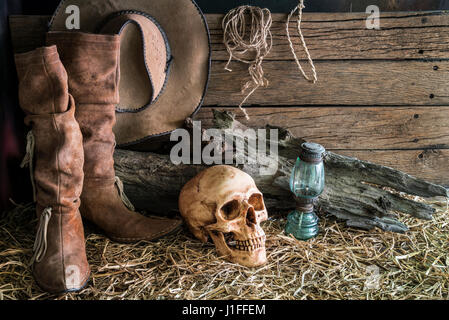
<point x="40" y="243"/>
<point x="28" y="160"/>
<point x="123" y="196"/>
<point x="299" y="8"/>
<point x="240" y="45"/>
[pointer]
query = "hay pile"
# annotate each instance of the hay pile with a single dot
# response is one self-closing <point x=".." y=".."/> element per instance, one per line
<point x="336" y="265"/>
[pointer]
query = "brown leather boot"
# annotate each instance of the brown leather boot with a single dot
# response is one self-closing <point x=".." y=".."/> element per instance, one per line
<point x="55" y="142"/>
<point x="92" y="64"/>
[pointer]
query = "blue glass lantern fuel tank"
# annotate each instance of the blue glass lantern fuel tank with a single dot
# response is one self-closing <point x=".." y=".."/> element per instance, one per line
<point x="306" y="183"/>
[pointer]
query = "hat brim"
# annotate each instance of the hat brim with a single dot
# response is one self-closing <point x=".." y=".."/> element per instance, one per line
<point x="188" y="36"/>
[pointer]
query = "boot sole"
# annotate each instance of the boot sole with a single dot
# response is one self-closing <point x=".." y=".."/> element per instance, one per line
<point x="63" y="291"/>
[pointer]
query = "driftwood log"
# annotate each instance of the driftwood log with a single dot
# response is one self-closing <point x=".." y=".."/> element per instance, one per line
<point x="356" y="191"/>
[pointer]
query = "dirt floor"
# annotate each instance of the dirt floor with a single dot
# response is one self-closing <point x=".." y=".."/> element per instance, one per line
<point x="341" y="263"/>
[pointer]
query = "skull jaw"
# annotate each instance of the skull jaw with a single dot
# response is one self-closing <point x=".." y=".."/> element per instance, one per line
<point x="251" y="259"/>
<point x="254" y="258"/>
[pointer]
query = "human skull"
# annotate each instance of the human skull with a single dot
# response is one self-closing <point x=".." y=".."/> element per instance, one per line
<point x="223" y="203"/>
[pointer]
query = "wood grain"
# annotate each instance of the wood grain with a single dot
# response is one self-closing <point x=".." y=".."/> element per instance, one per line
<point x="351" y="82"/>
<point x="430" y="165"/>
<point x="360" y="73"/>
<point x="342" y="82"/>
<point x="337" y="36"/>
<point x="346" y="82"/>
<point x="353" y="127"/>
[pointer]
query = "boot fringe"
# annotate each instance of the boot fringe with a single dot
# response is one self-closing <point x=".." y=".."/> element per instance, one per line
<point x="40" y="243"/>
<point x="122" y="194"/>
<point x="28" y="160"/>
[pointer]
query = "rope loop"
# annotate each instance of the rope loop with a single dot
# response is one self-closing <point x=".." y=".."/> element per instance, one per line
<point x="299" y="8"/>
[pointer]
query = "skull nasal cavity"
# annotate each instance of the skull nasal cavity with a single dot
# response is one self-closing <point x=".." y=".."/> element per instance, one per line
<point x="251" y="217"/>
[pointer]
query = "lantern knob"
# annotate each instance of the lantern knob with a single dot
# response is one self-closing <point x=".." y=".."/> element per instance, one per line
<point x="312" y="152"/>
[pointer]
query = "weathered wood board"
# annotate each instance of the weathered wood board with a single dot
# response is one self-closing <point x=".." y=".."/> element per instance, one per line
<point x="382" y="95"/>
<point x="432" y="164"/>
<point x="340" y="82"/>
<point x="355" y="128"/>
<point x="409" y="139"/>
<point x="337" y="36"/>
<point x="329" y="36"/>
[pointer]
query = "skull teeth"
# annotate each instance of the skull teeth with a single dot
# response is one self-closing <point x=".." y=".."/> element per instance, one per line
<point x="248" y="245"/>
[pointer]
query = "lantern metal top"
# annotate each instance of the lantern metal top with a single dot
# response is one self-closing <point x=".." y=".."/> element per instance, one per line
<point x="312" y="152"/>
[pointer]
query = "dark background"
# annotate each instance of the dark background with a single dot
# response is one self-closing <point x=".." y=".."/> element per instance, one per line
<point x="14" y="182"/>
<point x="221" y="6"/>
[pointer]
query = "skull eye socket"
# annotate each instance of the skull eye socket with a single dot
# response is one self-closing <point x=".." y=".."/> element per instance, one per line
<point x="230" y="210"/>
<point x="256" y="201"/>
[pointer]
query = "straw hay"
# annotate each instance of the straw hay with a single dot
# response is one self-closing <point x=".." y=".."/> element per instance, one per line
<point x="333" y="266"/>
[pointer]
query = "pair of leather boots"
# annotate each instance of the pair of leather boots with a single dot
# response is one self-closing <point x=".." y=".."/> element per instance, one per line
<point x="68" y="91"/>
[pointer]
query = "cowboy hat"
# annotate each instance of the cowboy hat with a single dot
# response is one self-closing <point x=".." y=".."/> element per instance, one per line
<point x="164" y="60"/>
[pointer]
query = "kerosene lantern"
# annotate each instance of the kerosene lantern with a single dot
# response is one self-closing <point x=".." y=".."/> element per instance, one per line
<point x="306" y="183"/>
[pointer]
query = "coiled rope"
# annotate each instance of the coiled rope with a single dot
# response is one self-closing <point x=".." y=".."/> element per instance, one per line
<point x="256" y="44"/>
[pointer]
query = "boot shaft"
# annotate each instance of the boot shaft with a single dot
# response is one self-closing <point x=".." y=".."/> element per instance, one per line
<point x="43" y="87"/>
<point x="57" y="153"/>
<point x="56" y="158"/>
<point x="92" y="63"/>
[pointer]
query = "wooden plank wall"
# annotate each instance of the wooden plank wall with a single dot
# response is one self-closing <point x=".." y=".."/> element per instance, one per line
<point x="382" y="95"/>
